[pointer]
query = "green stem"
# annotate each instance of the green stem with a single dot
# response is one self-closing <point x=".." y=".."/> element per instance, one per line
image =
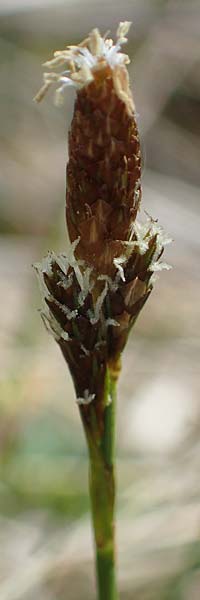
<point x="102" y="492"/>
<point x="109" y="422"/>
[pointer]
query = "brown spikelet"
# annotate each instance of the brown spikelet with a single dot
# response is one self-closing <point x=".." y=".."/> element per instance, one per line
<point x="103" y="172"/>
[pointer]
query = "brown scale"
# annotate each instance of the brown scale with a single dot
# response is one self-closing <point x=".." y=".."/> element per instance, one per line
<point x="103" y="173"/>
<point x="125" y="303"/>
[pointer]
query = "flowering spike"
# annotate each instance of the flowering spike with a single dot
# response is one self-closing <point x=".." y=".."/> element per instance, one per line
<point x="113" y="256"/>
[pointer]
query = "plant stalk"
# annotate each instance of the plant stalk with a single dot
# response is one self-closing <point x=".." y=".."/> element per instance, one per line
<point x="102" y="493"/>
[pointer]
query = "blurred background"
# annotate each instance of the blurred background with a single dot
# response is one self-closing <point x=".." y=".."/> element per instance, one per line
<point x="45" y="535"/>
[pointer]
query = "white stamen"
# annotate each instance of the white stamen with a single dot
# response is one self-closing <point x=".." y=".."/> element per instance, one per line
<point x="141" y="231"/>
<point x="53" y="326"/>
<point x="88" y="285"/>
<point x="70" y="314"/>
<point x="46" y="265"/>
<point x="159" y="266"/>
<point x="85" y="350"/>
<point x="65" y="336"/>
<point x="111" y="322"/>
<point x="70" y="261"/>
<point x="123" y="29"/>
<point x="89" y="58"/>
<point x="81" y="61"/>
<point x="144" y="233"/>
<point x="94" y="317"/>
<point x="113" y="285"/>
<point x="153" y="279"/>
<point x="65" y="281"/>
<point x="118" y="262"/>
<point x="86" y="399"/>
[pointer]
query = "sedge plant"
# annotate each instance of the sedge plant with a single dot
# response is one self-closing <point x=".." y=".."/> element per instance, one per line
<point x="94" y="293"/>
